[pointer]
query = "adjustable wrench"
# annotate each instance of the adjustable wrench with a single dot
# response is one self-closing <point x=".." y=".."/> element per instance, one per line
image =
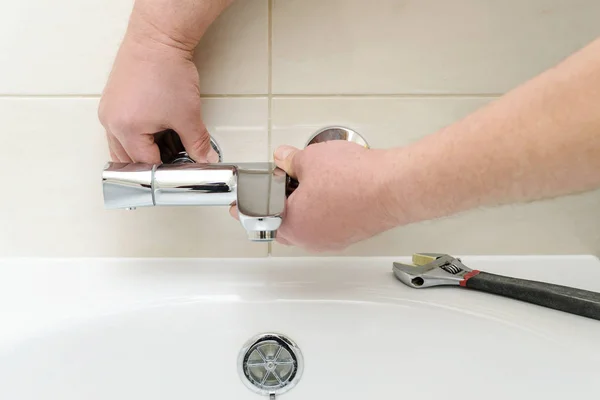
<point x="433" y="269"/>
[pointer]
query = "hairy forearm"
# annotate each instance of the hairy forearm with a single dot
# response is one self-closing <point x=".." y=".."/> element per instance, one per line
<point x="176" y="23"/>
<point x="538" y="141"/>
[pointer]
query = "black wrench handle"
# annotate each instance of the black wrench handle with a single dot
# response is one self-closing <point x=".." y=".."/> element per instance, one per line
<point x="563" y="298"/>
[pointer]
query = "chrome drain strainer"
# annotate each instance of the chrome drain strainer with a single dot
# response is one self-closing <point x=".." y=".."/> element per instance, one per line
<point x="270" y="364"/>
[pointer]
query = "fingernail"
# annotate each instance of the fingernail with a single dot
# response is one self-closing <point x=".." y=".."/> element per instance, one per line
<point x="282" y="152"/>
<point x="212" y="156"/>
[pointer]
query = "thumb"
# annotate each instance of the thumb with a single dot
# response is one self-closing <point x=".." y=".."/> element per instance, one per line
<point x="196" y="140"/>
<point x="286" y="158"/>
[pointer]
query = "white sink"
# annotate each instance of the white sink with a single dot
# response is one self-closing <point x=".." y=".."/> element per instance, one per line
<point x="172" y="329"/>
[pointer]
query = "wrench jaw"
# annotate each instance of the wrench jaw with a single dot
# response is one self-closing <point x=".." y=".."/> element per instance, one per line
<point x="431" y="269"/>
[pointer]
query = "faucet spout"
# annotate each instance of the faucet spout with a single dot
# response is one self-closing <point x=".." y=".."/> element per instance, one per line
<point x="258" y="190"/>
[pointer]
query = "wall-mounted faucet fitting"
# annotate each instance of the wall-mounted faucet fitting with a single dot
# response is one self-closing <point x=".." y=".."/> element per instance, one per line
<point x="258" y="189"/>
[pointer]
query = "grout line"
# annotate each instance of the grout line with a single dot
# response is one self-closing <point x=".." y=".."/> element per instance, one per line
<point x="96" y="96"/>
<point x="270" y="75"/>
<point x="269" y="90"/>
<point x="386" y="96"/>
<point x="280" y="96"/>
<point x="233" y="96"/>
<point x="49" y="96"/>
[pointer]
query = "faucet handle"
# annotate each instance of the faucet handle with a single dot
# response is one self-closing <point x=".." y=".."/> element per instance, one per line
<point x="172" y="150"/>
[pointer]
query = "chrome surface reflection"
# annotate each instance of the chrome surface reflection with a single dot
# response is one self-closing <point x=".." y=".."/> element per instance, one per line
<point x="337" y="133"/>
<point x="258" y="189"/>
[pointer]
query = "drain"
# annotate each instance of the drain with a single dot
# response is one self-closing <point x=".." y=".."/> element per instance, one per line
<point x="270" y="364"/>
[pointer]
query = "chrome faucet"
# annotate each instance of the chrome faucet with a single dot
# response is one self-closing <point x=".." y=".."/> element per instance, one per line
<point x="258" y="189"/>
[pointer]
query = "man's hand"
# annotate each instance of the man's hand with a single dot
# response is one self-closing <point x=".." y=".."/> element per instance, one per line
<point x="342" y="197"/>
<point x="539" y="141"/>
<point x="154" y="84"/>
<point x="151" y="90"/>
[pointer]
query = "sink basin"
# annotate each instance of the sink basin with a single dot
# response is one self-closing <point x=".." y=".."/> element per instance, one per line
<point x="173" y="329"/>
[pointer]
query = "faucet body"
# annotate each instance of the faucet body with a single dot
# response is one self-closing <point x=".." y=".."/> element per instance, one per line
<point x="258" y="190"/>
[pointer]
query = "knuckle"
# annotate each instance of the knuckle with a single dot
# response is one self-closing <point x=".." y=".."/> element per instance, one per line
<point x="200" y="143"/>
<point x="121" y="123"/>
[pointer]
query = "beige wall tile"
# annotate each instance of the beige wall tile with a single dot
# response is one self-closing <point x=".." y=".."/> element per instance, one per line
<point x="53" y="207"/>
<point x="57" y="47"/>
<point x="68" y="46"/>
<point x="240" y="127"/>
<point x="233" y="55"/>
<point x="568" y="225"/>
<point x="423" y="46"/>
<point x="383" y="122"/>
<point x="52" y="155"/>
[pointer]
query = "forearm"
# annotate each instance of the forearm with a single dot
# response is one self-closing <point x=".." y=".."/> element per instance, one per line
<point x="176" y="23"/>
<point x="541" y="140"/>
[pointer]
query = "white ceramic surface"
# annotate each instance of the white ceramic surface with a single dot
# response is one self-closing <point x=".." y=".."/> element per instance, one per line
<point x="167" y="329"/>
